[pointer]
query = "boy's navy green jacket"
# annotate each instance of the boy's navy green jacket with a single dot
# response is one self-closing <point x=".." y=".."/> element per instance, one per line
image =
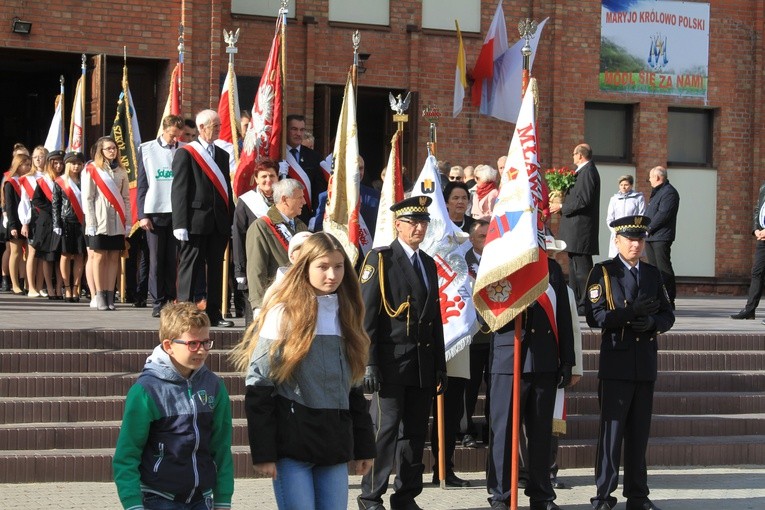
<point x="175" y="438"/>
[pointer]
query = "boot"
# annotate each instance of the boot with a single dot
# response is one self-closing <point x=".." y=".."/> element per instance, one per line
<point x="102" y="301"/>
<point x="6" y="285"/>
<point x="110" y="300"/>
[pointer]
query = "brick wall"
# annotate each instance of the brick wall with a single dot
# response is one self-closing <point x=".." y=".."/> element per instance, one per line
<point x="566" y="65"/>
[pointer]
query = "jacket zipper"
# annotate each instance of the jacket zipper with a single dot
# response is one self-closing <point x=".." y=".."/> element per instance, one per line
<point x="196" y="443"/>
<point x="161" y="457"/>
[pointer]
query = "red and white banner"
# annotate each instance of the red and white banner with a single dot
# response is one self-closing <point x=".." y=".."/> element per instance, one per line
<point x="264" y="136"/>
<point x="494" y="46"/>
<point x="513" y="270"/>
<point x="76" y="128"/>
<point x="391" y="193"/>
<point x="173" y="103"/>
<point x="442" y="242"/>
<point x="229" y="113"/>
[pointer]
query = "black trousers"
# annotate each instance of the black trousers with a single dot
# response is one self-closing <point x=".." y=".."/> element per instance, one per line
<point x="400" y="419"/>
<point x="479" y="372"/>
<point x="625" y="416"/>
<point x="163" y="263"/>
<point x="137" y="267"/>
<point x="196" y="254"/>
<point x="659" y="254"/>
<point x="537" y="406"/>
<point x="579" y="267"/>
<point x="454" y="407"/>
<point x="758" y="278"/>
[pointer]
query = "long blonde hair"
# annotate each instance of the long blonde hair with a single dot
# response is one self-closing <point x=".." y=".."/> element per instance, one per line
<point x="298" y="324"/>
<point x="39" y="148"/>
<point x="18" y="160"/>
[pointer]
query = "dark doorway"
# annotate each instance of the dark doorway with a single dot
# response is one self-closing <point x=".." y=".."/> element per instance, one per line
<point x="375" y="124"/>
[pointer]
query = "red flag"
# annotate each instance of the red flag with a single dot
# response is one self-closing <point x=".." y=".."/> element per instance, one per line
<point x="391" y="193"/>
<point x="229" y="113"/>
<point x="264" y="136"/>
<point x="493" y="47"/>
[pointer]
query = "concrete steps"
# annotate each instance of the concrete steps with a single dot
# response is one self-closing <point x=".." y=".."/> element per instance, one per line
<point x="62" y="398"/>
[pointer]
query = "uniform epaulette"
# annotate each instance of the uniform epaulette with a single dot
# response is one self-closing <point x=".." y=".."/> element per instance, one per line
<point x="381" y="248"/>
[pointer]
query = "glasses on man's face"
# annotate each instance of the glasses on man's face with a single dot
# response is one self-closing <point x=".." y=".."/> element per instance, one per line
<point x="416" y="223"/>
<point x="194" y="345"/>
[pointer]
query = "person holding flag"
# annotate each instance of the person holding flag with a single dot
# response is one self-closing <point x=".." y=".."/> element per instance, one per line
<point x="407" y="363"/>
<point x="203" y="212"/>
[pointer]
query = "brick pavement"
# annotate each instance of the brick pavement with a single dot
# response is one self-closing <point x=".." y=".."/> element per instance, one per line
<point x="718" y="488"/>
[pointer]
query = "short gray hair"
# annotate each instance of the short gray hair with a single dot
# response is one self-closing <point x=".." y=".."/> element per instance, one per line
<point x="286" y="188"/>
<point x="487" y="173"/>
<point x="205" y="116"/>
<point x="659" y="171"/>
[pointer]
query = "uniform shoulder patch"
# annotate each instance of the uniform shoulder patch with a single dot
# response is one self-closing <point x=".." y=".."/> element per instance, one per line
<point x="366" y="273"/>
<point x="594" y="292"/>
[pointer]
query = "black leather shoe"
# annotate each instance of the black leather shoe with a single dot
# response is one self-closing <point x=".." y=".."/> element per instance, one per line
<point x="499" y="505"/>
<point x="645" y="504"/>
<point x="408" y="506"/>
<point x="155" y="312"/>
<point x="545" y="505"/>
<point x="141" y="303"/>
<point x="521" y="483"/>
<point x="743" y="315"/>
<point x="603" y="505"/>
<point x="453" y="480"/>
<point x="469" y="441"/>
<point x="363" y="505"/>
<point x="557" y="484"/>
<point x="222" y="323"/>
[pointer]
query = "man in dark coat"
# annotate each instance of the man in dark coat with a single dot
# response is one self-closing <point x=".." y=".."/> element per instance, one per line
<point x="627" y="300"/>
<point x="203" y="211"/>
<point x="407" y="364"/>
<point x="580" y="220"/>
<point x="547" y="356"/>
<point x="309" y="160"/>
<point x="758" y="267"/>
<point x="662" y="209"/>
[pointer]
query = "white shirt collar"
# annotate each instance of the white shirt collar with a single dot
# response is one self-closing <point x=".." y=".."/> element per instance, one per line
<point x="580" y="165"/>
<point x="628" y="266"/>
<point x="408" y="250"/>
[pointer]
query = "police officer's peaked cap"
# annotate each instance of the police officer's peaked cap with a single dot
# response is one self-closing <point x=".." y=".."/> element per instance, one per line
<point x="634" y="227"/>
<point x="413" y="207"/>
<point x="55" y="155"/>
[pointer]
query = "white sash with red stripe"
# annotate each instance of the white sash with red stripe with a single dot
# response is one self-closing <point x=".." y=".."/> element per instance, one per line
<point x="72" y="192"/>
<point x="108" y="189"/>
<point x="45" y="183"/>
<point x="297" y="172"/>
<point x="210" y="168"/>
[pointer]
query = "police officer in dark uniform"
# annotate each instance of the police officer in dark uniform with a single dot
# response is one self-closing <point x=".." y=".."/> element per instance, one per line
<point x="547" y="355"/>
<point x="626" y="298"/>
<point x="407" y="365"/>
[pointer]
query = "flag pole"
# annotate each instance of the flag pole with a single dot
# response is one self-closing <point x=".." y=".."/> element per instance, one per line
<point x="124" y="254"/>
<point x="283" y="67"/>
<point x="63" y="112"/>
<point x="356" y="38"/>
<point x="526" y="28"/>
<point x="432" y="114"/>
<point x="181" y="51"/>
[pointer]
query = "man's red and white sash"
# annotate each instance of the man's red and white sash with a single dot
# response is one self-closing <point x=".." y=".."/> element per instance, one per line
<point x="72" y="192"/>
<point x="210" y="168"/>
<point x="45" y="183"/>
<point x="297" y="172"/>
<point x="282" y="234"/>
<point x="108" y="189"/>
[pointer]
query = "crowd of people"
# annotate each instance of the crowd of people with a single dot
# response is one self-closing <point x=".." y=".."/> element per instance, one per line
<point x="308" y="353"/>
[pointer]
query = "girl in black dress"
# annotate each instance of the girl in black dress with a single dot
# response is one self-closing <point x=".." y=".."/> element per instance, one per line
<point x="67" y="222"/>
<point x="46" y="242"/>
<point x="15" y="242"/>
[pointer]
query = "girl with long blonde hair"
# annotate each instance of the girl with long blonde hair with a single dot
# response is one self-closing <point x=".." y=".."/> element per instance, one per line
<point x="35" y="279"/>
<point x="304" y="357"/>
<point x="11" y="195"/>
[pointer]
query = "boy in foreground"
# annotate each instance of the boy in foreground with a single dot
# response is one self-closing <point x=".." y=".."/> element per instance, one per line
<point x="174" y="447"/>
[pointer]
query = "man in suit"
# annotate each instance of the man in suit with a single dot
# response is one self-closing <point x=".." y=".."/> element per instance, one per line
<point x="407" y="365"/>
<point x="155" y="181"/>
<point x="203" y="210"/>
<point x="627" y="300"/>
<point x="580" y="221"/>
<point x="309" y="160"/>
<point x="268" y="238"/>
<point x="547" y="356"/>
<point x="757" y="284"/>
<point x="662" y="209"/>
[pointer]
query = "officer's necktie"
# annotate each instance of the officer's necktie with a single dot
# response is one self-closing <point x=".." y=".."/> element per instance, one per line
<point x="418" y="270"/>
<point x="633" y="285"/>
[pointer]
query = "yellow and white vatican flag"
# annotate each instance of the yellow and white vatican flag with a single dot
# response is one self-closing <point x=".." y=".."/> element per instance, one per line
<point x="341" y="218"/>
<point x="442" y="242"/>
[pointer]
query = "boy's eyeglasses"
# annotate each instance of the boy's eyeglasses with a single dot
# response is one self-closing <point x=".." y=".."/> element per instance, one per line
<point x="194" y="345"/>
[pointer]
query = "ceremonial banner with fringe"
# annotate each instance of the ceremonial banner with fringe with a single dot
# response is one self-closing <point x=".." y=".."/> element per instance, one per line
<point x="76" y="128"/>
<point x="391" y="193"/>
<point x="343" y="195"/>
<point x="513" y="270"/>
<point x="127" y="136"/>
<point x="460" y="78"/>
<point x="230" y="115"/>
<point x="55" y="139"/>
<point x="264" y="136"/>
<point x="442" y="242"/>
<point x="173" y="103"/>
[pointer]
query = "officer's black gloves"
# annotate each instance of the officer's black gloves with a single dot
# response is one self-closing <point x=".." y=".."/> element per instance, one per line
<point x="442" y="381"/>
<point x="642" y="324"/>
<point x="644" y="306"/>
<point x="372" y="379"/>
<point x="564" y="376"/>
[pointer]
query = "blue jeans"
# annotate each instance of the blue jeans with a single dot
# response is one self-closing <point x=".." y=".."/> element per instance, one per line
<point x="157" y="502"/>
<point x="305" y="486"/>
